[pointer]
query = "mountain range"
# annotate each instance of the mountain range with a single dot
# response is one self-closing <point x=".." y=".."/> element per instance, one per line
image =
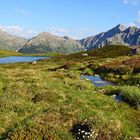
<point x="46" y="42"/>
<point x="10" y="42"/>
<point x="118" y="35"/>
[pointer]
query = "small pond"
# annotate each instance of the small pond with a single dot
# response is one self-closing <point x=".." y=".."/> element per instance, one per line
<point x="97" y="81"/>
<point x="15" y="59"/>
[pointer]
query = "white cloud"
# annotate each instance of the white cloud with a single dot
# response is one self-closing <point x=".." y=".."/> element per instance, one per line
<point x="139" y="13"/>
<point x="76" y="33"/>
<point x="137" y="21"/>
<point x="133" y="2"/>
<point x="132" y="24"/>
<point x="57" y="31"/>
<point x="20" y="11"/>
<point x="18" y="31"/>
<point x="125" y="1"/>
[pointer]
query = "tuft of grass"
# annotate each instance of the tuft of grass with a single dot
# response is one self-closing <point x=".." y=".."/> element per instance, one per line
<point x="131" y="94"/>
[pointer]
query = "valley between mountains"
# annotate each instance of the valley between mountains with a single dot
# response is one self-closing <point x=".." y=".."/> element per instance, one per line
<point x="46" y="42"/>
<point x="48" y="100"/>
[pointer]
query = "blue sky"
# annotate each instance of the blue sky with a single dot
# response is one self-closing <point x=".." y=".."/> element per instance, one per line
<point x="75" y="18"/>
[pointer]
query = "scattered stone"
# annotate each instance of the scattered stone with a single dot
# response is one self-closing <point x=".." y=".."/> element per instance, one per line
<point x="101" y="91"/>
<point x="85" y="54"/>
<point x="117" y="98"/>
<point x="114" y="96"/>
<point x="34" y="62"/>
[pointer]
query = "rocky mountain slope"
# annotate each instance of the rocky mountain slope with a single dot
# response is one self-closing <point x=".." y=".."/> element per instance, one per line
<point x="10" y="42"/>
<point x="45" y="42"/>
<point x="117" y="35"/>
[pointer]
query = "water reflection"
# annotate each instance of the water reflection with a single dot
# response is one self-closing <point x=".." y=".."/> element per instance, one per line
<point x="15" y="59"/>
<point x="96" y="80"/>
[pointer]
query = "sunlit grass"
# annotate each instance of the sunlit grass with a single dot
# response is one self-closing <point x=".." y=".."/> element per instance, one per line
<point x="131" y="94"/>
<point x="45" y="100"/>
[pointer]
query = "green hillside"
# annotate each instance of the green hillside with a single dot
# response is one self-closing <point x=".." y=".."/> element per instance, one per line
<point x="48" y="43"/>
<point x="110" y="51"/>
<point x="4" y="53"/>
<point x="10" y="42"/>
<point x="49" y="100"/>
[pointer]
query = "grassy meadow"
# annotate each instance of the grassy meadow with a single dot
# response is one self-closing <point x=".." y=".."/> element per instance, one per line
<point x="44" y="101"/>
<point x="5" y="53"/>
